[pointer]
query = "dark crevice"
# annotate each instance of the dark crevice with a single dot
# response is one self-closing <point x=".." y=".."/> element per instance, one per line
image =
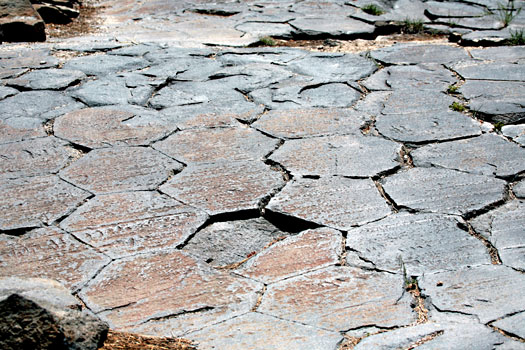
<point x="493" y="252"/>
<point x="507" y="333"/>
<point x="82" y="149"/>
<point x="17" y="232"/>
<point x="391" y="203"/>
<point x="288" y="223"/>
<point x="178" y="314"/>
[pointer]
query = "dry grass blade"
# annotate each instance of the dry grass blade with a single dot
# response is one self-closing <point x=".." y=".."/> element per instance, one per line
<point x="130" y="341"/>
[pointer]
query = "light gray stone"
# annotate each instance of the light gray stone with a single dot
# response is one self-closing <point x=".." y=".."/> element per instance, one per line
<point x="519" y="189"/>
<point x="20" y="128"/>
<point x="501" y="53"/>
<point x="338" y="27"/>
<point x="444" y="191"/>
<point x="416" y="53"/>
<point x="414" y="100"/>
<point x="512" y="324"/>
<point x="103" y="65"/>
<point x="6" y="91"/>
<point x="424" y="76"/>
<point x="515" y="132"/>
<point x="502" y="71"/>
<point x="47" y="79"/>
<point x="452" y="10"/>
<point x="103" y="92"/>
<point x="41" y="104"/>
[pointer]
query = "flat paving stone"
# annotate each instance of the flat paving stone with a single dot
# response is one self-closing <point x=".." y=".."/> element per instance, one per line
<point x="103" y="92"/>
<point x="415" y="54"/>
<point x="230" y="242"/>
<point x="338" y="27"/>
<point x="6" y="91"/>
<point x="443" y="191"/>
<point x="100" y="127"/>
<point x="414" y="100"/>
<point x="515" y="132"/>
<point x="340" y="298"/>
<point x="486" y="291"/>
<point x="120" y="169"/>
<point x="423" y="76"/>
<point x="261" y="332"/>
<point x="34" y="157"/>
<point x="51" y="253"/>
<point x="299" y="123"/>
<point x="44" y="105"/>
<point x="425" y="243"/>
<point x="338" y="155"/>
<point x="307" y="251"/>
<point x="262" y="29"/>
<point x="47" y="79"/>
<point x="103" y="65"/>
<point x="218" y="144"/>
<point x="33" y="201"/>
<point x="224" y="187"/>
<point x="20" y="129"/>
<point x="519" y="189"/>
<point x="502" y="53"/>
<point x="512" y="324"/>
<point x="487" y="154"/>
<point x="453" y="10"/>
<point x="502" y="71"/>
<point x="337" y="202"/>
<point x="175" y="283"/>
<point x="427" y="126"/>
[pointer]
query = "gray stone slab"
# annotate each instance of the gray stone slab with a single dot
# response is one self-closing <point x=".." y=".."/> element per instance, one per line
<point x="33" y="201"/>
<point x="485" y="37"/>
<point x="338" y="155"/>
<point x="453" y="10"/>
<point x="6" y="91"/>
<point x="377" y="81"/>
<point x="444" y="191"/>
<point x="41" y="104"/>
<point x="512" y="324"/>
<point x="486" y="291"/>
<point x="225" y="243"/>
<point x="487" y="154"/>
<point x="329" y="95"/>
<point x="338" y="27"/>
<point x="101" y="127"/>
<point x="424" y="76"/>
<point x="299" y="123"/>
<point x="415" y="100"/>
<point x="373" y="103"/>
<point x="426" y="243"/>
<point x="337" y="202"/>
<point x="431" y="126"/>
<point x="47" y="79"/>
<point x="415" y="54"/>
<point x="334" y="67"/>
<point x="34" y="157"/>
<point x="20" y="128"/>
<point x="218" y="144"/>
<point x="485" y="23"/>
<point x="261" y="332"/>
<point x="120" y="169"/>
<point x="224" y="187"/>
<point x="104" y="65"/>
<point x="515" y="132"/>
<point x="251" y="76"/>
<point x="502" y="71"/>
<point x="279" y="56"/>
<point x="510" y="344"/>
<point x="500" y="54"/>
<point x="519" y="189"/>
<point x="340" y="298"/>
<point x="262" y="29"/>
<point x="103" y="92"/>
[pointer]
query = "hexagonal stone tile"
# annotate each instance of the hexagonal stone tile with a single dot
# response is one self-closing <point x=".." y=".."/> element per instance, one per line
<point x="40" y="104"/>
<point x="340" y="298"/>
<point x="487" y="154"/>
<point x="105" y="64"/>
<point x="425" y="243"/>
<point x="20" y="128"/>
<point x="33" y="201"/>
<point x="47" y="79"/>
<point x="415" y="54"/>
<point x="512" y="324"/>
<point x="120" y="169"/>
<point x="261" y="332"/>
<point x="309" y="250"/>
<point x="299" y="123"/>
<point x="224" y="187"/>
<point x="128" y="223"/>
<point x="489" y="70"/>
<point x="218" y="144"/>
<point x="112" y="126"/>
<point x="225" y="243"/>
<point x="338" y="155"/>
<point x="162" y="287"/>
<point x="51" y="253"/>
<point x="444" y="191"/>
<point x="337" y="202"/>
<point x="486" y="291"/>
<point x="40" y="156"/>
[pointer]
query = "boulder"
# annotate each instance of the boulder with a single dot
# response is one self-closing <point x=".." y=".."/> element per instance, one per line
<point x="19" y="21"/>
<point x="55" y="13"/>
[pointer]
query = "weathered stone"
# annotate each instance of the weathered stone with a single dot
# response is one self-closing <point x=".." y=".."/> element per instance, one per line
<point x="414" y="100"/>
<point x="337" y="202"/>
<point x="31" y="202"/>
<point x="338" y="27"/>
<point x="279" y="56"/>
<point x="502" y="53"/>
<point x="175" y="284"/>
<point x="41" y="104"/>
<point x="338" y="155"/>
<point x="112" y="126"/>
<point x="218" y="144"/>
<point x="502" y="71"/>
<point x="515" y="132"/>
<point x="452" y="10"/>
<point x="425" y="76"/>
<point x="224" y="187"/>
<point x="47" y="79"/>
<point x="398" y="338"/>
<point x="444" y="191"/>
<point x="56" y="13"/>
<point x="425" y="243"/>
<point x="7" y="91"/>
<point x="252" y="76"/>
<point x="20" y="22"/>
<point x="103" y="92"/>
<point x="333" y="67"/>
<point x="431" y="126"/>
<point x="377" y="81"/>
<point x="40" y="156"/>
<point x="261" y="332"/>
<point x="486" y="37"/>
<point x="298" y="123"/>
<point x="415" y="54"/>
<point x="104" y="65"/>
<point x="372" y="104"/>
<point x="486" y="291"/>
<point x="262" y="29"/>
<point x="169" y="97"/>
<point x="485" y="23"/>
<point x="18" y="60"/>
<point x="512" y="325"/>
<point x="519" y="189"/>
<point x="121" y="168"/>
<point x="487" y="154"/>
<point x="20" y="128"/>
<point x="329" y="95"/>
<point x="51" y="253"/>
<point x="226" y="243"/>
<point x="340" y="298"/>
<point x="309" y="250"/>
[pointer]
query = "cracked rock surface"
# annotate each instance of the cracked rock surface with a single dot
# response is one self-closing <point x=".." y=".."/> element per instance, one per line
<point x="182" y="184"/>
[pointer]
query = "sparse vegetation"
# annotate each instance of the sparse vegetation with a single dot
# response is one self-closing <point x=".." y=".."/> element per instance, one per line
<point x="267" y="41"/>
<point x="373" y="10"/>
<point x="498" y="126"/>
<point x="410" y="283"/>
<point x="507" y="12"/>
<point x="517" y="37"/>
<point x="453" y="89"/>
<point x="412" y="26"/>
<point x="458" y="107"/>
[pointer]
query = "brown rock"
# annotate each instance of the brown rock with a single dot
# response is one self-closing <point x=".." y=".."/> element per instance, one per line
<point x="56" y="13"/>
<point x="20" y="22"/>
<point x="18" y="129"/>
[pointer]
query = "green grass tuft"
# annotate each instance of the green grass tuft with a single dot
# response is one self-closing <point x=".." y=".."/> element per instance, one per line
<point x="517" y="37"/>
<point x="373" y="10"/>
<point x="458" y="107"/>
<point x="453" y="89"/>
<point x="507" y="12"/>
<point x="412" y="26"/>
<point x="267" y="41"/>
<point x="498" y="126"/>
